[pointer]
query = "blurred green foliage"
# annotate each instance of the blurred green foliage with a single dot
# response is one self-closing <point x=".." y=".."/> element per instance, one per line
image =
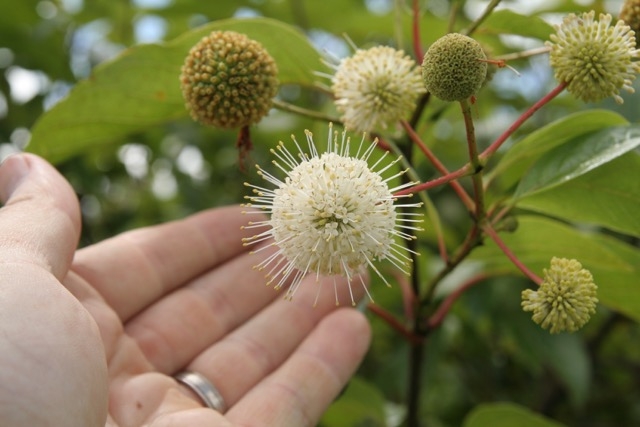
<point x="141" y="161"/>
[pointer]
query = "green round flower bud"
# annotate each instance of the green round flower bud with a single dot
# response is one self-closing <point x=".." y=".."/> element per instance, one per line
<point x="594" y="58"/>
<point x="228" y="80"/>
<point x="454" y="67"/>
<point x="566" y="298"/>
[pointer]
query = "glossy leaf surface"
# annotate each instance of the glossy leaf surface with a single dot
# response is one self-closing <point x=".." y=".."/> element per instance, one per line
<point x="140" y="88"/>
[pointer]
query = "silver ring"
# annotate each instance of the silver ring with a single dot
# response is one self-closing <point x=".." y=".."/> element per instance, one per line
<point x="204" y="389"/>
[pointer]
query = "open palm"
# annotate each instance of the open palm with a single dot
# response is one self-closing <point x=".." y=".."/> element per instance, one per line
<point x="137" y="309"/>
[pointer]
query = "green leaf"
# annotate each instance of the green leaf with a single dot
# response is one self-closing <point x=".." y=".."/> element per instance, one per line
<point x="578" y="157"/>
<point x="565" y="354"/>
<point x="608" y="196"/>
<point x="506" y="415"/>
<point x="615" y="265"/>
<point x="361" y="404"/>
<point x="140" y="88"/>
<point x="509" y="22"/>
<point x="517" y="160"/>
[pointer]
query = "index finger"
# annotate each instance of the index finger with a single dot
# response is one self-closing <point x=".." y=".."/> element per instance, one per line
<point x="301" y="389"/>
<point x="136" y="268"/>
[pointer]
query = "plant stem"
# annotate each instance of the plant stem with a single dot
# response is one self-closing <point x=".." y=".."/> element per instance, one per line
<point x="432" y="212"/>
<point x="285" y="106"/>
<point x="449" y="178"/>
<point x="474" y="26"/>
<point x="472" y="240"/>
<point x="476" y="164"/>
<point x="417" y="46"/>
<point x="530" y="112"/>
<point x="393" y="322"/>
<point x="415" y="380"/>
<point x="436" y="318"/>
<point x="416" y="354"/>
<point x="421" y="328"/>
<point x="438" y="164"/>
<point x="420" y="106"/>
<point x="523" y="54"/>
<point x="416" y="349"/>
<point x="489" y="231"/>
<point x="453" y="15"/>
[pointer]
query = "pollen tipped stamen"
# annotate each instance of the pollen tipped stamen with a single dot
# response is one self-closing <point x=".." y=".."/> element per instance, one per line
<point x="332" y="215"/>
<point x="376" y="88"/>
<point x="285" y="156"/>
<point x="380" y="160"/>
<point x="402" y="187"/>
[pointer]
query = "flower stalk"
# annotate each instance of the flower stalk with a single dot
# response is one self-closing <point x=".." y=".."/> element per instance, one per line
<point x="417" y="44"/>
<point x="476" y="164"/>
<point x="487" y="153"/>
<point x="489" y="231"/>
<point x="415" y="138"/>
<point x="438" y="317"/>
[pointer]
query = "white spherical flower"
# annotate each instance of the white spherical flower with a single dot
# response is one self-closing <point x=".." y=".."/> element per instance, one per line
<point x="595" y="59"/>
<point x="332" y="214"/>
<point x="376" y="87"/>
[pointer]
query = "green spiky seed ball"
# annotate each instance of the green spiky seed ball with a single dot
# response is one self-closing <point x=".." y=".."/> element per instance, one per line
<point x="228" y="80"/>
<point x="453" y="68"/>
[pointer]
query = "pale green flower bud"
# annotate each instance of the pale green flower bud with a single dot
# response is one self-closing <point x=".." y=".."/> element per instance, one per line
<point x="595" y="59"/>
<point x="454" y="68"/>
<point x="565" y="300"/>
<point x="228" y="80"/>
<point x="630" y="14"/>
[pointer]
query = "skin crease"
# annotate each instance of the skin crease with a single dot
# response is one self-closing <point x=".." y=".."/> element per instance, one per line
<point x="93" y="337"/>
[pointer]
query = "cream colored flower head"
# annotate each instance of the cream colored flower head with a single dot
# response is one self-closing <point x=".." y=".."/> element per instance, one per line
<point x="375" y="88"/>
<point x="332" y="215"/>
<point x="565" y="300"/>
<point x="595" y="59"/>
<point x="630" y="14"/>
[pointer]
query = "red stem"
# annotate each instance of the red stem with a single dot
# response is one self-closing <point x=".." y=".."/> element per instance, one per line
<point x="530" y="112"/>
<point x="417" y="46"/>
<point x="449" y="178"/>
<point x="466" y="199"/>
<point x="409" y="299"/>
<point x="394" y="323"/>
<point x="503" y="246"/>
<point x="436" y="318"/>
<point x="495" y="218"/>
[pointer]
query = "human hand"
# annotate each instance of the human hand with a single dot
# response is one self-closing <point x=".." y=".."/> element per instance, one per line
<point x="99" y="336"/>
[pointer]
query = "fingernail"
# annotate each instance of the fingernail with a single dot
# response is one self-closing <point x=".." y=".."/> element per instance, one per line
<point x="13" y="170"/>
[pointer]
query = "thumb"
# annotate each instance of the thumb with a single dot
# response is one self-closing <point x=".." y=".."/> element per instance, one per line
<point x="40" y="219"/>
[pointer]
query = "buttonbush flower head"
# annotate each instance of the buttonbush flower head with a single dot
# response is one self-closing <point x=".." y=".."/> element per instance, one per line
<point x="565" y="300"/>
<point x="375" y="88"/>
<point x="595" y="59"/>
<point x="333" y="215"/>
<point x="630" y="14"/>
<point x="454" y="67"/>
<point x="228" y="80"/>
